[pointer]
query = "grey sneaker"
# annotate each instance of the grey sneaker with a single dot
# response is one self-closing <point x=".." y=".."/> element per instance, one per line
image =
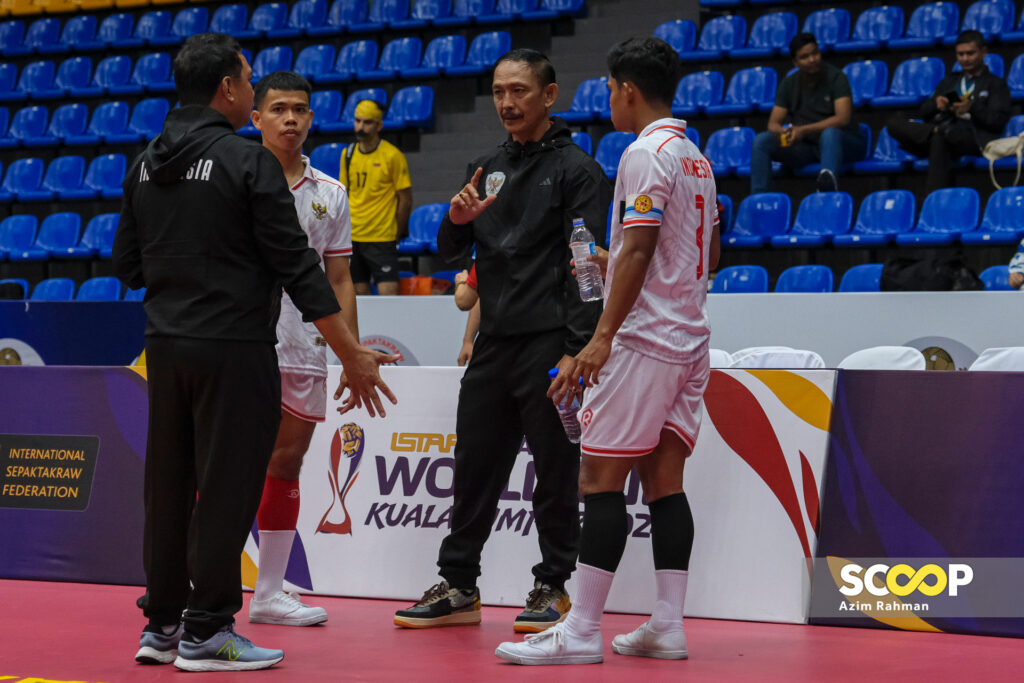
<point x="546" y="606"/>
<point x="225" y="651"/>
<point x="442" y="605"/>
<point x="826" y="181"/>
<point x="156" y="647"/>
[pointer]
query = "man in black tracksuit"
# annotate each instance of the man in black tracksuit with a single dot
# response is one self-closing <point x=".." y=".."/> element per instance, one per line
<point x="209" y="228"/>
<point x="532" y="320"/>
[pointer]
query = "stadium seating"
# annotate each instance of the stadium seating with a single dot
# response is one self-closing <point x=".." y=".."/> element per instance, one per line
<point x="726" y="212"/>
<point x="23" y="175"/>
<point x="483" y="53"/>
<point x="694" y="135"/>
<point x="340" y="15"/>
<point x="697" y="91"/>
<point x="829" y="26"/>
<point x="411" y="107"/>
<point x="135" y="294"/>
<point x="805" y="279"/>
<point x="993" y="61"/>
<point x="549" y="10"/>
<point x="914" y="80"/>
<point x="1017" y="34"/>
<point x="422" y="14"/>
<point x="740" y="280"/>
<point x="868" y="80"/>
<point x="114" y="74"/>
<point x="58" y="235"/>
<point x="37" y="81"/>
<point x="233" y="20"/>
<point x="64" y="174"/>
<point x="681" y="34"/>
<point x="507" y="11"/>
<point x="303" y="16"/>
<point x="43" y="36"/>
<point x="380" y="14"/>
<point x="271" y="59"/>
<point x="154" y="28"/>
<point x="348" y="114"/>
<point x="327" y="158"/>
<point x="99" y="234"/>
<point x="73" y="76"/>
<point x="929" y="24"/>
<point x="996" y="279"/>
<point x="360" y="55"/>
<point x="589" y="101"/>
<point x="29" y="127"/>
<point x="152" y="73"/>
<point x="759" y="217"/>
<point x="749" y="90"/>
<point x="99" y="289"/>
<point x="315" y="61"/>
<point x="1003" y="222"/>
<point x="190" y="21"/>
<point x="54" y="289"/>
<point x="863" y="278"/>
<point x="6" y="142"/>
<point x="17" y="239"/>
<point x="729" y="149"/>
<point x="423" y="225"/>
<point x="12" y="38"/>
<point x="770" y="35"/>
<point x="465" y="12"/>
<point x="79" y="34"/>
<point x="882" y="216"/>
<point x="399" y="54"/>
<point x="609" y="151"/>
<point x="116" y="30"/>
<point x="990" y="17"/>
<point x="875" y="27"/>
<point x="945" y="215"/>
<point x="146" y="122"/>
<point x="9" y="92"/>
<point x="442" y="54"/>
<point x="7" y="283"/>
<point x="326" y="106"/>
<point x="820" y="217"/>
<point x="584" y="141"/>
<point x="719" y="36"/>
<point x="888" y="157"/>
<point x="268" y="18"/>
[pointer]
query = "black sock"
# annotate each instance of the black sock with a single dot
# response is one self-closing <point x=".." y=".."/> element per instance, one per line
<point x="605" y="527"/>
<point x="671" y="532"/>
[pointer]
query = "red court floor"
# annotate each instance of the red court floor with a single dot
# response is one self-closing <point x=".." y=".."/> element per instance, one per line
<point x="89" y="633"/>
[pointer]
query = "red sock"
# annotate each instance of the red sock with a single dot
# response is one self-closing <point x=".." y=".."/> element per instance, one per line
<point x="279" y="508"/>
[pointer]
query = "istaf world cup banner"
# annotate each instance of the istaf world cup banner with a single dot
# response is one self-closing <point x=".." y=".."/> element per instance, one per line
<point x="923" y="518"/>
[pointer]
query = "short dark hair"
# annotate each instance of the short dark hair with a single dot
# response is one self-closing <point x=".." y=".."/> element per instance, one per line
<point x="971" y="37"/>
<point x="202" y="63"/>
<point x="650" y="64"/>
<point x="538" y="62"/>
<point x="281" y="80"/>
<point x="799" y="41"/>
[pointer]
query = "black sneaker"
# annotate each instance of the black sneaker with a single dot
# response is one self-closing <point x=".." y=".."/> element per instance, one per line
<point x="546" y="606"/>
<point x="442" y="605"/>
<point x="826" y="181"/>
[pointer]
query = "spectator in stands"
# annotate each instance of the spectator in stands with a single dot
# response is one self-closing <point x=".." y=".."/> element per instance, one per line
<point x="380" y="201"/>
<point x="966" y="111"/>
<point x="817" y="102"/>
<point x="1017" y="267"/>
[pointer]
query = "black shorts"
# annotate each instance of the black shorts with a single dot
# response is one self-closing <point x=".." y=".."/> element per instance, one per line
<point x="376" y="260"/>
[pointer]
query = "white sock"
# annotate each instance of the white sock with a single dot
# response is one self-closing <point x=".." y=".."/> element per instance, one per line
<point x="592" y="586"/>
<point x="275" y="549"/>
<point x="668" y="610"/>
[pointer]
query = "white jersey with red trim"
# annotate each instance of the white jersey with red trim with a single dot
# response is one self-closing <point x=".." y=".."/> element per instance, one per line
<point x="665" y="182"/>
<point x="322" y="206"/>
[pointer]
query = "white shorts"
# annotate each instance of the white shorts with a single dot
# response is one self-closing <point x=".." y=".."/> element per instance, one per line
<point x="304" y="395"/>
<point x="637" y="397"/>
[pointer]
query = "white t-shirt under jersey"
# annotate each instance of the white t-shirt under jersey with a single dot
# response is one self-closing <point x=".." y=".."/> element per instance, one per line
<point x="322" y="206"/>
<point x="664" y="181"/>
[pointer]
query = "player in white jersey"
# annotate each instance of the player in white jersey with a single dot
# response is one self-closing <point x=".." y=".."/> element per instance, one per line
<point x="283" y="116"/>
<point x="646" y="365"/>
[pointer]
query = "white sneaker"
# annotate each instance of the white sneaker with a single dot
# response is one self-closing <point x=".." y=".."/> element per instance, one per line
<point x="286" y="610"/>
<point x="553" y="646"/>
<point x="644" y="642"/>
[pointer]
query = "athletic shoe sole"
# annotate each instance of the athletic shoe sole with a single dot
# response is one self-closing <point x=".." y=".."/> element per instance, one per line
<point x="456" y="619"/>
<point x="536" y="626"/>
<point x="656" y="654"/>
<point x="149" y="655"/>
<point x="222" y="665"/>
<point x="289" y="621"/>
<point x="540" y="661"/>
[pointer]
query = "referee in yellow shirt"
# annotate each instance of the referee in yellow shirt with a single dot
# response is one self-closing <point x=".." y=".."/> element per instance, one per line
<point x="380" y="201"/>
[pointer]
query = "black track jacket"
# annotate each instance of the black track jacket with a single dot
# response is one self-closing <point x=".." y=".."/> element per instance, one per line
<point x="208" y="227"/>
<point x="524" y="279"/>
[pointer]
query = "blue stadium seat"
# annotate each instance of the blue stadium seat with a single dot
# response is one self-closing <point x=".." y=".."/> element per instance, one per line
<point x="70" y="120"/>
<point x="23" y="175"/>
<point x="442" y="54"/>
<point x="326" y="106"/>
<point x="28" y="126"/>
<point x="400" y="53"/>
<point x="63" y="174"/>
<point x="341" y="15"/>
<point x="741" y="280"/>
<point x="590" y="98"/>
<point x="584" y="141"/>
<point x="914" y="80"/>
<point x="423" y="13"/>
<point x="866" y="277"/>
<point x="381" y="14"/>
<point x="411" y="107"/>
<point x="868" y="80"/>
<point x="190" y="21"/>
<point x="9" y="92"/>
<point x="152" y="73"/>
<point x="697" y="91"/>
<point x="996" y="279"/>
<point x="5" y="194"/>
<point x="154" y="28"/>
<point x="99" y="234"/>
<point x="100" y="289"/>
<point x="805" y="280"/>
<point x="73" y="75"/>
<point x="6" y="142"/>
<point x="465" y="12"/>
<point x="270" y="16"/>
<point x="681" y="34"/>
<point x="770" y="35"/>
<point x="109" y="119"/>
<point x="993" y="61"/>
<point x="135" y="294"/>
<point x="929" y="24"/>
<point x="348" y="114"/>
<point x="694" y="135"/>
<point x="271" y="59"/>
<point x="888" y="157"/>
<point x="106" y="174"/>
<point x="1015" y="79"/>
<point x="1017" y="34"/>
<point x="114" y="75"/>
<point x="549" y="10"/>
<point x="719" y="36"/>
<point x="79" y="33"/>
<point x="721" y="3"/>
<point x="146" y="122"/>
<point x="54" y="289"/>
<point x="304" y="15"/>
<point x="749" y="90"/>
<point x="20" y="282"/>
<point x="945" y="215"/>
<point x="233" y="20"/>
<point x="1003" y="222"/>
<point x="315" y="61"/>
<point x="423" y="225"/>
<point x="759" y="217"/>
<point x="991" y="17"/>
<point x="116" y="30"/>
<point x="819" y="218"/>
<point x="43" y="36"/>
<point x="507" y="11"/>
<point x="829" y="26"/>
<point x="729" y="148"/>
<point x="37" y="81"/>
<point x="360" y="55"/>
<point x="875" y="27"/>
<point x="327" y="158"/>
<point x="609" y="151"/>
<point x="725" y="214"/>
<point x="882" y="216"/>
<point x="58" y="235"/>
<point x="18" y="236"/>
<point x="483" y="52"/>
<point x="12" y="38"/>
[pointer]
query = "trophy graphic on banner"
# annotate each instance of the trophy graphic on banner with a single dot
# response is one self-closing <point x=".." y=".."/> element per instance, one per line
<point x="347" y="446"/>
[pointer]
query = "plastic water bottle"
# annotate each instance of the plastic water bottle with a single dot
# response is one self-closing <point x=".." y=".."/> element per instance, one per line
<point x="588" y="273"/>
<point x="567" y="412"/>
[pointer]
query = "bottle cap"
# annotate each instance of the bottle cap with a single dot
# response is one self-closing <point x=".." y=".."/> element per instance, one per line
<point x="577" y="222"/>
<point x="553" y="373"/>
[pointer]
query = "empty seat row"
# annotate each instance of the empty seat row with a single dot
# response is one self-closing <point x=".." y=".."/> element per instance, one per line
<point x="930" y="24"/>
<point x="63" y="289"/>
<point x="111" y="123"/>
<point x="74" y="77"/>
<point x="886" y="216"/>
<point x="866" y="277"/>
<point x="60" y="236"/>
<point x="66" y="178"/>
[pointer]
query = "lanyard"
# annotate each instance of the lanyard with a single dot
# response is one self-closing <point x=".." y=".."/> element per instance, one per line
<point x="966" y="91"/>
